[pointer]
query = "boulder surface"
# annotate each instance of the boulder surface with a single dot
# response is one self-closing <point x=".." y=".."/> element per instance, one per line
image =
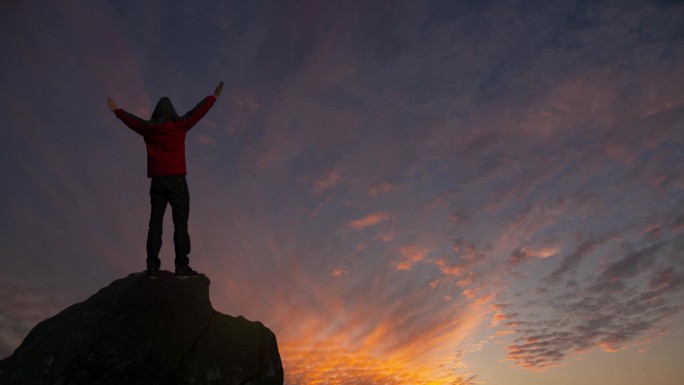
<point x="146" y="331"/>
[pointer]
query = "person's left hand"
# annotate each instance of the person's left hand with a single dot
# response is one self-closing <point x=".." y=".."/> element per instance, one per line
<point x="218" y="90"/>
<point x="111" y="104"/>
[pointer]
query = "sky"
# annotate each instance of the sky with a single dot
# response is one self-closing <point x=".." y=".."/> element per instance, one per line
<point x="404" y="192"/>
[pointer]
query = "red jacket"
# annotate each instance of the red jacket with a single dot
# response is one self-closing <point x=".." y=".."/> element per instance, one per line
<point x="165" y="136"/>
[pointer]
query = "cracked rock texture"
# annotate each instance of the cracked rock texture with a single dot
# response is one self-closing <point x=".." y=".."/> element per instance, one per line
<point x="143" y="331"/>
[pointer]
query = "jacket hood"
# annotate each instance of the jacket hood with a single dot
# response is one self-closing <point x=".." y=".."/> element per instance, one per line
<point x="164" y="109"/>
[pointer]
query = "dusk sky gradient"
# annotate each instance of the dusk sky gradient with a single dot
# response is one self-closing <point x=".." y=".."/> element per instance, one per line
<point x="405" y="192"/>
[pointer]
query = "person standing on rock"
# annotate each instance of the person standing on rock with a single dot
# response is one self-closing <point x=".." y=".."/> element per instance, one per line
<point x="164" y="136"/>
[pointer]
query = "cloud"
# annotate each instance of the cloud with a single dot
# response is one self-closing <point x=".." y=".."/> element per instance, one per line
<point x="573" y="259"/>
<point x="627" y="267"/>
<point x="523" y="253"/>
<point x="669" y="279"/>
<point x="501" y="316"/>
<point x="611" y="311"/>
<point x="464" y="256"/>
<point x="329" y="181"/>
<point x="449" y="268"/>
<point x="368" y="221"/>
<point x="339" y="272"/>
<point x="410" y="255"/>
<point x="467" y="250"/>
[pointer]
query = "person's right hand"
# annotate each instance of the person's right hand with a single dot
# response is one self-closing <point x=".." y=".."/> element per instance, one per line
<point x="111" y="104"/>
<point x="218" y="90"/>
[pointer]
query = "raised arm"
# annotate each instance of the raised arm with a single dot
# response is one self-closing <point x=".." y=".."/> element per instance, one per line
<point x="133" y="122"/>
<point x="193" y="116"/>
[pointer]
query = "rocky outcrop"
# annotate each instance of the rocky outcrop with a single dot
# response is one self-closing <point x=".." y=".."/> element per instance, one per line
<point x="146" y="331"/>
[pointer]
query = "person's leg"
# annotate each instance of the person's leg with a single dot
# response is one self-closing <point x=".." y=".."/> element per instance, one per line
<point x="154" y="233"/>
<point x="179" y="198"/>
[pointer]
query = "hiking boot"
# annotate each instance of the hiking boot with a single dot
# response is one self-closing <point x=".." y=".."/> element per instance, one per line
<point x="152" y="273"/>
<point x="183" y="272"/>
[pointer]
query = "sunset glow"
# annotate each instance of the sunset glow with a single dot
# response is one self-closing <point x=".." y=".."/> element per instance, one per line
<point x="409" y="192"/>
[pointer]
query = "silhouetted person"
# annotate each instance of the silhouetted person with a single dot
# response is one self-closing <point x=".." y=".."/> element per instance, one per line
<point x="164" y="136"/>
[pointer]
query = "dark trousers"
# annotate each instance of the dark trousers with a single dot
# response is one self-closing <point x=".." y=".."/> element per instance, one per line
<point x="171" y="189"/>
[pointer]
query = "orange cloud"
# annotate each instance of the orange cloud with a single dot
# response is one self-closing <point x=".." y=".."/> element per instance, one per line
<point x="505" y="332"/>
<point x="367" y="221"/>
<point x="411" y="255"/>
<point x="500" y="316"/>
<point x="454" y="269"/>
<point x="339" y="272"/>
<point x="484" y="299"/>
<point x="610" y="347"/>
<point x="469" y="293"/>
<point x="466" y="281"/>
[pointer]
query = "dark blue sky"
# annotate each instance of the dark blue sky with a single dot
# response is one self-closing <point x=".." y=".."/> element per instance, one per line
<point x="405" y="192"/>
